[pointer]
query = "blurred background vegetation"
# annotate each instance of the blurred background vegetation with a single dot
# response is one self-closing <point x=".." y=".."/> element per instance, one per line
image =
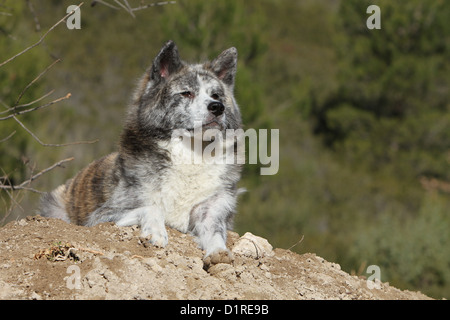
<point x="364" y="116"/>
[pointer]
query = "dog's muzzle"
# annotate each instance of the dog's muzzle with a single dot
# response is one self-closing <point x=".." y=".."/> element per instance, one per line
<point x="216" y="108"/>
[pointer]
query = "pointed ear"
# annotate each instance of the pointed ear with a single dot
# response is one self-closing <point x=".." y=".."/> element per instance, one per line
<point x="224" y="66"/>
<point x="166" y="62"/>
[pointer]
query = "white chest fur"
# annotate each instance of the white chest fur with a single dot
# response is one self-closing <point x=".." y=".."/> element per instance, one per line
<point x="184" y="185"/>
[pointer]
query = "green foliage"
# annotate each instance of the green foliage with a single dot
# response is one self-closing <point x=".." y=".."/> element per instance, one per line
<point x="211" y="26"/>
<point x="395" y="71"/>
<point x="388" y="119"/>
<point x="15" y="76"/>
<point x="413" y="251"/>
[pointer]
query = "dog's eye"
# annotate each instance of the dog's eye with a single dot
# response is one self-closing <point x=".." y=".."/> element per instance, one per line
<point x="215" y="96"/>
<point x="187" y="94"/>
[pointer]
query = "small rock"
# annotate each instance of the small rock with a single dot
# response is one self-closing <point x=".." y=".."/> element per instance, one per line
<point x="22" y="223"/>
<point x="35" y="296"/>
<point x="153" y="264"/>
<point x="264" y="267"/>
<point x="252" y="246"/>
<point x="336" y="266"/>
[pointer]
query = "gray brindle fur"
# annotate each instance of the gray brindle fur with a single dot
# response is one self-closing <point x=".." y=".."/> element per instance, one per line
<point x="142" y="184"/>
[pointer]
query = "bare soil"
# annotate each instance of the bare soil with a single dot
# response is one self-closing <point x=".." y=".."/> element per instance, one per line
<point x="44" y="258"/>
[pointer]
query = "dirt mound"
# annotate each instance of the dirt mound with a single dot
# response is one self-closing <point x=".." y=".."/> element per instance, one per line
<point x="44" y="258"/>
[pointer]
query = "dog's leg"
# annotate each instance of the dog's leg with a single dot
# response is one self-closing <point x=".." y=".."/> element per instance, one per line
<point x="153" y="226"/>
<point x="151" y="221"/>
<point x="149" y="218"/>
<point x="208" y="223"/>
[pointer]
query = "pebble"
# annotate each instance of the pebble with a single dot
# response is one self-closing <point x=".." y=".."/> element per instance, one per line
<point x="253" y="246"/>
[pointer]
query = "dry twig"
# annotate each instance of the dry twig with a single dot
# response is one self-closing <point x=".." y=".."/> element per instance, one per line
<point x="67" y="96"/>
<point x="23" y="185"/>
<point x="299" y="241"/>
<point x="41" y="39"/>
<point x="126" y="6"/>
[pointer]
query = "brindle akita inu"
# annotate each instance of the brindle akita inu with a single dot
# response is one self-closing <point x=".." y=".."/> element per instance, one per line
<point x="141" y="183"/>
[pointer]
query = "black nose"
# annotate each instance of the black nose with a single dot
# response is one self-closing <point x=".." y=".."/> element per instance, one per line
<point x="216" y="108"/>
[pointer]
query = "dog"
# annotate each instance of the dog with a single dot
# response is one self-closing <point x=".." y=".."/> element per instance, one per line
<point x="151" y="181"/>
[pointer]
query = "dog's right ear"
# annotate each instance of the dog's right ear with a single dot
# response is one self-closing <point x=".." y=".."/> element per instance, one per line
<point x="166" y="62"/>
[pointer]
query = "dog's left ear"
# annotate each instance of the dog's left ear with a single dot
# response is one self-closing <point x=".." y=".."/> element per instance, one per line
<point x="224" y="66"/>
<point x="166" y="62"/>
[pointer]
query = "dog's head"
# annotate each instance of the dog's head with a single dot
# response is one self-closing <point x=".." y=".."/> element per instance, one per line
<point x="175" y="95"/>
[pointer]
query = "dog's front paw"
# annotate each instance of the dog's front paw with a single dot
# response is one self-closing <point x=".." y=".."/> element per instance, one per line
<point x="158" y="238"/>
<point x="218" y="256"/>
